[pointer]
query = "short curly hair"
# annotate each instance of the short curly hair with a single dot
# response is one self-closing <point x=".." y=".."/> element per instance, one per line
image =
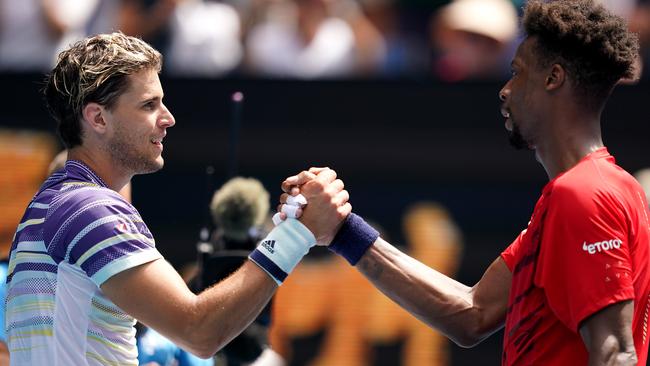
<point x="94" y="69"/>
<point x="593" y="45"/>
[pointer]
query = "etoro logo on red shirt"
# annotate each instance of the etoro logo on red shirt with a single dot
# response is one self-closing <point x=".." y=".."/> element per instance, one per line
<point x="602" y="245"/>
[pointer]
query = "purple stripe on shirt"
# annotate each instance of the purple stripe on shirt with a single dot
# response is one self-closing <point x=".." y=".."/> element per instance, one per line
<point x="99" y="234"/>
<point x="100" y="259"/>
<point x="32" y="267"/>
<point x="58" y="245"/>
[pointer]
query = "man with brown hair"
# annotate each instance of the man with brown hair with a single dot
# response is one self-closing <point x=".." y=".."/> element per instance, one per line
<point x="574" y="286"/>
<point x="83" y="264"/>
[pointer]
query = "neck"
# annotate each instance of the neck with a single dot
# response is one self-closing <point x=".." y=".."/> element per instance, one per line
<point x="101" y="163"/>
<point x="570" y="138"/>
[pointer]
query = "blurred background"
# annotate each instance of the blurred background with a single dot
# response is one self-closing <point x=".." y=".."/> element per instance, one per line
<point x="399" y="96"/>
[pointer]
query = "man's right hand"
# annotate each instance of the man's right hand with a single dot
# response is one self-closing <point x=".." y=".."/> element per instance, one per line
<point x="327" y="200"/>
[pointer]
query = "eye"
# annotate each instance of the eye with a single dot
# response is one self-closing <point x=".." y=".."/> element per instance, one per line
<point x="150" y="106"/>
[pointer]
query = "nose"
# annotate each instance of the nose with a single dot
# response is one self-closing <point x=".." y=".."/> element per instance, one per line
<point x="502" y="96"/>
<point x="504" y="93"/>
<point x="167" y="119"/>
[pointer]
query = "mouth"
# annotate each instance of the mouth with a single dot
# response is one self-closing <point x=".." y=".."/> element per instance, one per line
<point x="506" y="114"/>
<point x="157" y="141"/>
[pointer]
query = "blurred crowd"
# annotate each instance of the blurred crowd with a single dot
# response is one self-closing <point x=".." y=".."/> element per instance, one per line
<point x="449" y="40"/>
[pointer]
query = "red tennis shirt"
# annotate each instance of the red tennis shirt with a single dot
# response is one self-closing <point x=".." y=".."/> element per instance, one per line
<point x="586" y="247"/>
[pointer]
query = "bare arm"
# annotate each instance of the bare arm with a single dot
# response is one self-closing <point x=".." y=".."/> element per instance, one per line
<point x="466" y="315"/>
<point x="608" y="335"/>
<point x="157" y="296"/>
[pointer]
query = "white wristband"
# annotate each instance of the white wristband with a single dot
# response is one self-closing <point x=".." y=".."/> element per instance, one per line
<point x="281" y="250"/>
<point x="277" y="219"/>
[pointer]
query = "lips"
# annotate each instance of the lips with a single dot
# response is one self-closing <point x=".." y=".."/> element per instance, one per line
<point x="506" y="114"/>
<point x="157" y="141"/>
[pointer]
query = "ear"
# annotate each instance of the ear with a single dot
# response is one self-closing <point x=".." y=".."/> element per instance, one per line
<point x="555" y="78"/>
<point x="93" y="117"/>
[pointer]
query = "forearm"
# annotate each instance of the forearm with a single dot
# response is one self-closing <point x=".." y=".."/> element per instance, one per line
<point x="607" y="335"/>
<point x="223" y="311"/>
<point x="157" y="296"/>
<point x="227" y="309"/>
<point x="611" y="354"/>
<point x="432" y="297"/>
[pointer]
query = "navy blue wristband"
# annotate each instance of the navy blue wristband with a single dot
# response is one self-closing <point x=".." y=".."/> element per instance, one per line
<point x="353" y="239"/>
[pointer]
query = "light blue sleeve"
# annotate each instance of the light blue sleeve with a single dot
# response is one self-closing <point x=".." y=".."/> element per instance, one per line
<point x="3" y="298"/>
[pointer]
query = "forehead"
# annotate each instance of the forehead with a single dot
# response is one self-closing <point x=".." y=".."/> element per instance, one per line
<point x="524" y="54"/>
<point x="144" y="83"/>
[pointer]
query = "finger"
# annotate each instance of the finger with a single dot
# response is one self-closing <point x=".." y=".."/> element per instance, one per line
<point x="297" y="180"/>
<point x="326" y="176"/>
<point x="317" y="170"/>
<point x="336" y="186"/>
<point x="298" y="200"/>
<point x="277" y="218"/>
<point x="345" y="210"/>
<point x="290" y="211"/>
<point x="341" y="198"/>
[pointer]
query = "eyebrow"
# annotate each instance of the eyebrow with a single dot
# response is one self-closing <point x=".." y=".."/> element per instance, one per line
<point x="152" y="99"/>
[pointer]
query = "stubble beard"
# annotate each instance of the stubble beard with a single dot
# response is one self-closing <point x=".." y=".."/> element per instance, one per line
<point x="123" y="150"/>
<point x="516" y="139"/>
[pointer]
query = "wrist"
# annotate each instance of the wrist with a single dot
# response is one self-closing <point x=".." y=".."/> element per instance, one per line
<point x="353" y="239"/>
<point x="279" y="253"/>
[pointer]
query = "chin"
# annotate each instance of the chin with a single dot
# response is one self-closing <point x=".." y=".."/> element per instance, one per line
<point x="147" y="167"/>
<point x="157" y="165"/>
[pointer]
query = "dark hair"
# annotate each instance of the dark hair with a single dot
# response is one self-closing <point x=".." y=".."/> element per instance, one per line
<point x="593" y="45"/>
<point x="94" y="69"/>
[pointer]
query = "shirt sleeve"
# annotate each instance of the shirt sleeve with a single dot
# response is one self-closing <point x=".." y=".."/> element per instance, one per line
<point x="3" y="299"/>
<point x="584" y="264"/>
<point x="512" y="254"/>
<point x="105" y="236"/>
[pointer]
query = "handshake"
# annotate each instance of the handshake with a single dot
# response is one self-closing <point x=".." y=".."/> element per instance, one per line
<point x="313" y="209"/>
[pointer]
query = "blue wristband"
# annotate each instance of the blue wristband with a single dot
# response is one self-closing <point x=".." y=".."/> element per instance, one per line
<point x="353" y="239"/>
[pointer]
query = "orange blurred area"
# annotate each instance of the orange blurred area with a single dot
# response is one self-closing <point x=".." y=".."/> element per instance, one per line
<point x="332" y="298"/>
<point x="24" y="158"/>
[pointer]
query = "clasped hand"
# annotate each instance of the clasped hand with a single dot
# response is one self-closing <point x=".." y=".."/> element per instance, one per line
<point x="327" y="202"/>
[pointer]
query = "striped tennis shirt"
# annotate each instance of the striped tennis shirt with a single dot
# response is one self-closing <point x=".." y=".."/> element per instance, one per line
<point x="76" y="233"/>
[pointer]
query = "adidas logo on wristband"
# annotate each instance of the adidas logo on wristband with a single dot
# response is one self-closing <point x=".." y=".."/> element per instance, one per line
<point x="269" y="245"/>
<point x="281" y="250"/>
